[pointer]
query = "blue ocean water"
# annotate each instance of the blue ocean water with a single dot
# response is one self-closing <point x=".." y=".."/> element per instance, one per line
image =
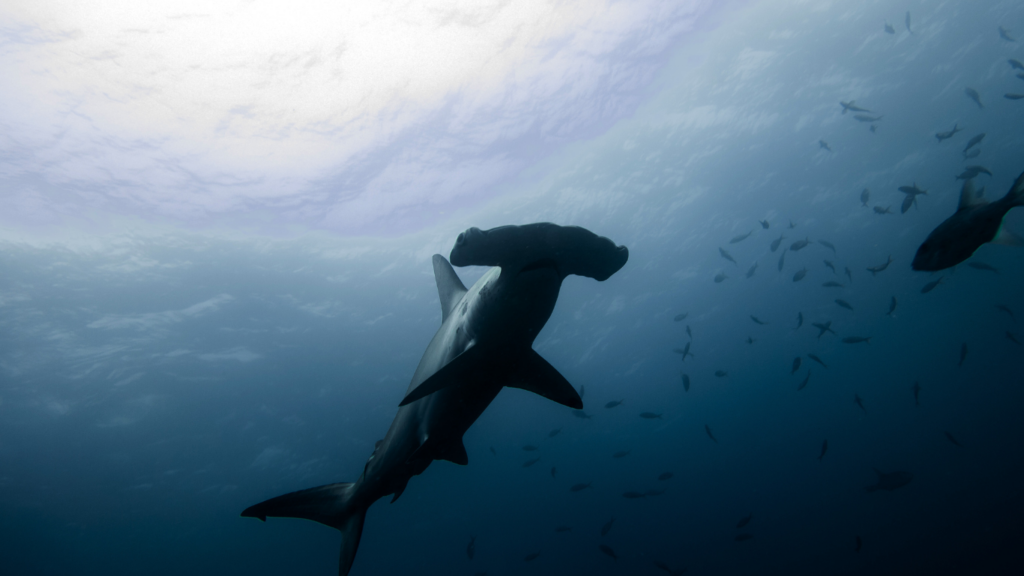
<point x="158" y="381"/>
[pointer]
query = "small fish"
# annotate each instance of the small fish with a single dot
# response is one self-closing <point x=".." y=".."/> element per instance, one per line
<point x="832" y="284"/>
<point x="982" y="266"/>
<point x="681" y="317"/>
<point x="804" y="383"/>
<point x="563" y="529"/>
<point x="889" y="29"/>
<point x="529" y="463"/>
<point x="917" y="393"/>
<point x="665" y="476"/>
<point x="866" y="118"/>
<point x="851" y="107"/>
<point x="686" y="382"/>
<point x="741" y="237"/>
<point x="632" y="495"/>
<point x="757" y="320"/>
<point x="951" y="438"/>
<point x="614" y="403"/>
<point x="799" y="320"/>
<point x="907" y="22"/>
<point x="974" y="142"/>
<point x="685" y="351"/>
<point x="726" y="255"/>
<point x="530" y="448"/>
<point x="940" y="136"/>
<point x="907" y="203"/>
<point x="1006" y="309"/>
<point x="849" y="274"/>
<point x="721" y="373"/>
<point x="743" y="537"/>
<point x="844" y="304"/>
<point x="823" y="144"/>
<point x="881" y="267"/>
<point x="1010" y="336"/>
<point x="554" y="432"/>
<point x="931" y="285"/>
<point x="800" y="275"/>
<point x="554" y="472"/>
<point x="531" y="556"/>
<point x="972" y="172"/>
<point x="1005" y="35"/>
<point x="1013" y="96"/>
<point x="492" y="451"/>
<point x="973" y="95"/>
<point x="604" y="548"/>
<point x="750" y="340"/>
<point x="688" y="333"/>
<point x="720" y="277"/>
<point x="857" y="543"/>
<point x="828" y="245"/>
<point x="963" y="354"/>
<point x="471" y="547"/>
<point x="865" y="195"/>
<point x="782" y="261"/>
<point x="974" y="223"/>
<point x="880" y="210"/>
<point x="579" y="487"/>
<point x="621" y="454"/>
<point x="581" y="414"/>
<point x="892" y="307"/>
<point x="1015" y="64"/>
<point x="824" y="448"/>
<point x="857" y="340"/>
<point x="829" y="264"/>
<point x="745" y="520"/>
<point x="860" y="402"/>
<point x="650" y="415"/>
<point x="764" y="224"/>
<point x="800" y="244"/>
<point x="816" y="359"/>
<point x="796" y="365"/>
<point x="750" y="273"/>
<point x="607" y="527"/>
<point x="826" y="327"/>
<point x="710" y="435"/>
<point x="777" y="242"/>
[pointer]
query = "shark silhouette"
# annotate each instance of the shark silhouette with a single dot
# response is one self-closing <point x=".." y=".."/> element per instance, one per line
<point x="484" y="344"/>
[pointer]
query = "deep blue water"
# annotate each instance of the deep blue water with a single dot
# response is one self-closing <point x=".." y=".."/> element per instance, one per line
<point x="154" y="383"/>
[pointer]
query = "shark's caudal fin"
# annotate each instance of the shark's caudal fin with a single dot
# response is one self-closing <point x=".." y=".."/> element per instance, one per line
<point x="450" y="289"/>
<point x="327" y="505"/>
<point x="572" y="250"/>
<point x="527" y="371"/>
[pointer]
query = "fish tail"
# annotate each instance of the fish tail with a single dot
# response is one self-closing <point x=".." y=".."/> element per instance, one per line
<point x="331" y="505"/>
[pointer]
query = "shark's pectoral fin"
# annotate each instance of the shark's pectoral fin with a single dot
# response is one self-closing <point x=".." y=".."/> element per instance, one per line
<point x="459" y="369"/>
<point x="536" y="375"/>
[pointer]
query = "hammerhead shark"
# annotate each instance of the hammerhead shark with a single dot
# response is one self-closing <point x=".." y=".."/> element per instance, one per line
<point x="484" y="344"/>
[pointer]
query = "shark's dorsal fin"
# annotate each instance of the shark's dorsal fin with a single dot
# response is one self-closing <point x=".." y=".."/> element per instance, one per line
<point x="968" y="199"/>
<point x="449" y="288"/>
<point x="534" y="374"/>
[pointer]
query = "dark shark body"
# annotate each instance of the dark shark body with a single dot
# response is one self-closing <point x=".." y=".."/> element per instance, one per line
<point x="974" y="223"/>
<point x="484" y="344"/>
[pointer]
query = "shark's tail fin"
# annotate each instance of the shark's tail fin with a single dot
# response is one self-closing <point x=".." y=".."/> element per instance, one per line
<point x="330" y="505"/>
<point x="1016" y="194"/>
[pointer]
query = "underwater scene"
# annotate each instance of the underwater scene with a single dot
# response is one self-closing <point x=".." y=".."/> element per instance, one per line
<point x="494" y="288"/>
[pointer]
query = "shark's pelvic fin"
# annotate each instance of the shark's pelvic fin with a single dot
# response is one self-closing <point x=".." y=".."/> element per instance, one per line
<point x="327" y="505"/>
<point x="536" y="375"/>
<point x="450" y="289"/>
